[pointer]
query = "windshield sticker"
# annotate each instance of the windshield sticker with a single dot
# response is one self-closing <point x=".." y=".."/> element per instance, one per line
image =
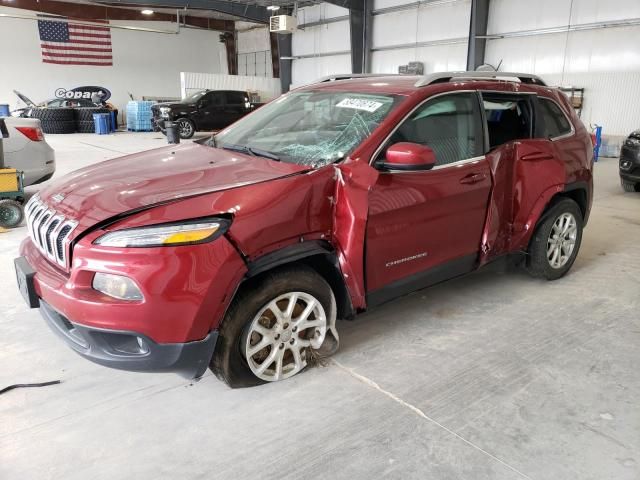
<point x="360" y="104"/>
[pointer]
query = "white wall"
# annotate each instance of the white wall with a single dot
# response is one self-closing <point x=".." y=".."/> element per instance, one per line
<point x="143" y="63"/>
<point x="254" y="50"/>
<point x="397" y="38"/>
<point x="446" y="23"/>
<point x="268" y="88"/>
<point x="605" y="61"/>
<point x="314" y="43"/>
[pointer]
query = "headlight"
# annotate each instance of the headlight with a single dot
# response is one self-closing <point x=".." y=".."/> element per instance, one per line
<point x="164" y="111"/>
<point x="117" y="286"/>
<point x="188" y="233"/>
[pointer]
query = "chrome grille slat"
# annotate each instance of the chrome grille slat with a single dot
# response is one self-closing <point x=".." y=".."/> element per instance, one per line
<point x="47" y="236"/>
<point x="49" y="231"/>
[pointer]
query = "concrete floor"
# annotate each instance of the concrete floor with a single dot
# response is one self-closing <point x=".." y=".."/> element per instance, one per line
<point x="493" y="376"/>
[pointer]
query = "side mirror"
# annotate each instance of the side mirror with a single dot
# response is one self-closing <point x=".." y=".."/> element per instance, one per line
<point x="409" y="156"/>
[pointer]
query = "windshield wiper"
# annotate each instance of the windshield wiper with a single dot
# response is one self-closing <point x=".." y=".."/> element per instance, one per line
<point x="256" y="152"/>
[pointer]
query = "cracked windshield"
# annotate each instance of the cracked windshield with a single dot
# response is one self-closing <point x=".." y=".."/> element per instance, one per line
<point x="309" y="128"/>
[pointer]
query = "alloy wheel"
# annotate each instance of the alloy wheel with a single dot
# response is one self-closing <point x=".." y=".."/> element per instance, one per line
<point x="562" y="240"/>
<point x="277" y="340"/>
<point x="185" y="128"/>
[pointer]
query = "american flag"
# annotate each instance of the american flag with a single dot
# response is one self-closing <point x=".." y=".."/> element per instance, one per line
<point x="68" y="43"/>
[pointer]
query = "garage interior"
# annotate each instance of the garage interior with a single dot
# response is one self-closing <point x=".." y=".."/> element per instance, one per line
<point x="494" y="375"/>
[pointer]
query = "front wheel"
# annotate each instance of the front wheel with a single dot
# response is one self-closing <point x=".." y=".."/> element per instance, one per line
<point x="11" y="213"/>
<point x="274" y="327"/>
<point x="556" y="241"/>
<point x="186" y="128"/>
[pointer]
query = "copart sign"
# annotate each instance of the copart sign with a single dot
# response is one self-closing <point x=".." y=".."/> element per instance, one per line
<point x="84" y="92"/>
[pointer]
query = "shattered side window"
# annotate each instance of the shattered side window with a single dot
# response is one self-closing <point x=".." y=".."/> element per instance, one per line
<point x="311" y="128"/>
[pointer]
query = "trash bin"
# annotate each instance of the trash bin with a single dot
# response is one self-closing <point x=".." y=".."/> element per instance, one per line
<point x="102" y="123"/>
<point x="171" y="129"/>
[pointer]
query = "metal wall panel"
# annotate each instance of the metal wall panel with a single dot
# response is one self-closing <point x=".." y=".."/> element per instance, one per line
<point x="611" y="99"/>
<point x="332" y="37"/>
<point x="606" y="62"/>
<point x="317" y="13"/>
<point x="307" y="70"/>
<point x="426" y="23"/>
<point x="440" y="58"/>
<point x="518" y="15"/>
<point x="267" y="88"/>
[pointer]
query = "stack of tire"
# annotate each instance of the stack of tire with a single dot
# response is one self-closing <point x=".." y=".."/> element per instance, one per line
<point x="55" y="120"/>
<point x="84" y="118"/>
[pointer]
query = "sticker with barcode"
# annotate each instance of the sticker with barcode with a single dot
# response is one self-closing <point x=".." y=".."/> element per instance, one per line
<point x="360" y="104"/>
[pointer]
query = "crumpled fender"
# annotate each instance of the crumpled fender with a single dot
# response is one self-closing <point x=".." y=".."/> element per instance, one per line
<point x="523" y="232"/>
<point x="350" y="214"/>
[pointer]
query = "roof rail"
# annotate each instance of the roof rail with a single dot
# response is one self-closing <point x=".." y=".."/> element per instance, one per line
<point x="349" y="76"/>
<point x="442" y="77"/>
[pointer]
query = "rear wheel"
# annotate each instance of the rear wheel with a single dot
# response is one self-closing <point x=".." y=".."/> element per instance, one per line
<point x="274" y="327"/>
<point x="556" y="241"/>
<point x="628" y="186"/>
<point x="11" y="213"/>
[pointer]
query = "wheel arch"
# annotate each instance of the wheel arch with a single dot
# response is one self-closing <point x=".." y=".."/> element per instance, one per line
<point x="316" y="254"/>
<point x="577" y="192"/>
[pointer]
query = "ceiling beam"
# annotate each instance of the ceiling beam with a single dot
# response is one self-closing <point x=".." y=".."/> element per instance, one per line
<point x="244" y="11"/>
<point x="99" y="12"/>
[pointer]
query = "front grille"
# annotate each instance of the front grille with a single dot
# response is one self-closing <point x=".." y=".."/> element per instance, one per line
<point x="49" y="231"/>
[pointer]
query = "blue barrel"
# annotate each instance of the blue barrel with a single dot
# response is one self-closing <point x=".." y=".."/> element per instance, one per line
<point x="4" y="110"/>
<point x="102" y="123"/>
<point x="114" y="121"/>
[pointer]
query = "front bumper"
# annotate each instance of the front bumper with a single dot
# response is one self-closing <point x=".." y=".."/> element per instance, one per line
<point x="157" y="122"/>
<point x="629" y="164"/>
<point x="125" y="350"/>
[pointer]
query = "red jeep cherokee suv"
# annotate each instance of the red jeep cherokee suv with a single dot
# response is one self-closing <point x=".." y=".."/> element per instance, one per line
<point x="239" y="252"/>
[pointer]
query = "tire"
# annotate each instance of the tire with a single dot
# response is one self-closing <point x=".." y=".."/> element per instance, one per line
<point x="11" y="213"/>
<point x="628" y="186"/>
<point x="252" y="305"/>
<point x="53" y="114"/>
<point x="55" y="126"/>
<point x="542" y="260"/>
<point x="186" y="128"/>
<point x="86" y="127"/>
<point x="85" y="114"/>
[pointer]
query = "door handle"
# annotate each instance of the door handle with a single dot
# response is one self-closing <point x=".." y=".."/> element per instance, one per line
<point x="536" y="156"/>
<point x="473" y="178"/>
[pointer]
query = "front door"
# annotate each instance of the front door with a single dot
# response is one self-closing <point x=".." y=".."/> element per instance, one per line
<point x="426" y="226"/>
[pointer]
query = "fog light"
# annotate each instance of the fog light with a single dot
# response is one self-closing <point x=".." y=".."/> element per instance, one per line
<point x="117" y="286"/>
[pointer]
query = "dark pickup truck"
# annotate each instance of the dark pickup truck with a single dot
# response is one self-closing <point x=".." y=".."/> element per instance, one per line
<point x="204" y="110"/>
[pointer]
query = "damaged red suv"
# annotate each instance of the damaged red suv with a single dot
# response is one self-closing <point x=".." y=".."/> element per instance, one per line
<point x="238" y="253"/>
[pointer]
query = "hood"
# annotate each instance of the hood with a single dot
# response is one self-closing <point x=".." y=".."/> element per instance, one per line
<point x="25" y="99"/>
<point x="173" y="105"/>
<point x="133" y="182"/>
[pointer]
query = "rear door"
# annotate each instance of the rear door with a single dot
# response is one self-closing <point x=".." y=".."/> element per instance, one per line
<point x="210" y="110"/>
<point x="524" y="163"/>
<point x="236" y="106"/>
<point x="426" y="226"/>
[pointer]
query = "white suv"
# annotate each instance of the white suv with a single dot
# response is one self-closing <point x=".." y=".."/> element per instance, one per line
<point x="27" y="150"/>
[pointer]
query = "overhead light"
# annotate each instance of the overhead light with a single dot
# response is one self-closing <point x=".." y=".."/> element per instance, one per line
<point x="273" y="7"/>
<point x="147" y="12"/>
